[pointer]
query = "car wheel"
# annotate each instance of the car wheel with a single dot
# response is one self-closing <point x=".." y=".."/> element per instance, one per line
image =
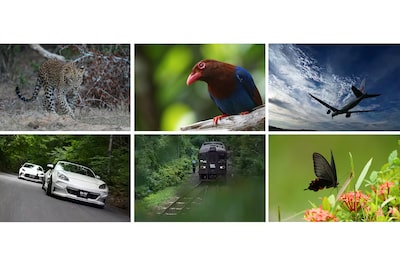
<point x="48" y="189"/>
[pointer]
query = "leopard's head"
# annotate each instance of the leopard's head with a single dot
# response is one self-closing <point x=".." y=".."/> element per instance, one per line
<point x="73" y="76"/>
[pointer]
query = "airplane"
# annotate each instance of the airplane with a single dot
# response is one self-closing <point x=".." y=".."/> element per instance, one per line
<point x="346" y="109"/>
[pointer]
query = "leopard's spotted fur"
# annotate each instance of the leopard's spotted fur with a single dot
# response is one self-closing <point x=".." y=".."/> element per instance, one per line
<point x="59" y="79"/>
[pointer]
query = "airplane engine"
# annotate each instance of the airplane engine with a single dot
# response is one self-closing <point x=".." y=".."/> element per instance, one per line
<point x="348" y="115"/>
<point x="328" y="112"/>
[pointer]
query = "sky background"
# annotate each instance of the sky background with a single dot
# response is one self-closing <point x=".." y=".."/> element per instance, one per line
<point x="328" y="72"/>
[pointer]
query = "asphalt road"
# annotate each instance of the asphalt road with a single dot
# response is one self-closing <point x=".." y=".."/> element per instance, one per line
<point x="25" y="201"/>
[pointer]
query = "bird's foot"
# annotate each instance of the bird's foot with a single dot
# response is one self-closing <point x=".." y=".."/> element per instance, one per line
<point x="216" y="118"/>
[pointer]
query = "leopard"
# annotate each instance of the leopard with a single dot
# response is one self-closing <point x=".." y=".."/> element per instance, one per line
<point x="61" y="82"/>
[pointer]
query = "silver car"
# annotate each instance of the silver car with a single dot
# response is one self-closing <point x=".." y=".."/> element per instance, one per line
<point x="74" y="181"/>
<point x="31" y="172"/>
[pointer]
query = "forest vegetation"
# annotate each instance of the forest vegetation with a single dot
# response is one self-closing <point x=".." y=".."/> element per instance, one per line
<point x="163" y="101"/>
<point x="163" y="163"/>
<point x="107" y="155"/>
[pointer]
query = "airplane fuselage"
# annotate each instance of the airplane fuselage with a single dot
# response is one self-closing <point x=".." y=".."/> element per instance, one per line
<point x="348" y="106"/>
<point x="352" y="104"/>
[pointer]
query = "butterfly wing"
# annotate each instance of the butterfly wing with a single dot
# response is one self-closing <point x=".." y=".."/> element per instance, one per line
<point x="326" y="174"/>
<point x="333" y="168"/>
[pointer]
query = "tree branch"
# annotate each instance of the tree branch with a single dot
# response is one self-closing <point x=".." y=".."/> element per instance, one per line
<point x="253" y="121"/>
<point x="46" y="53"/>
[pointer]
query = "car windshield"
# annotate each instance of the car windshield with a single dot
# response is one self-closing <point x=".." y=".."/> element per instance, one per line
<point x="75" y="168"/>
<point x="27" y="165"/>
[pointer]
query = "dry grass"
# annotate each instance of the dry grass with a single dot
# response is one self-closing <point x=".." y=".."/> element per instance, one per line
<point x="16" y="115"/>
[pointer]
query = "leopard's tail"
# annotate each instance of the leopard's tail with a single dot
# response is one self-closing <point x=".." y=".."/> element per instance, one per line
<point x="35" y="93"/>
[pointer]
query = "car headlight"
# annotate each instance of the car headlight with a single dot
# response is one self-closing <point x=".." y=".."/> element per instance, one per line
<point x="63" y="177"/>
<point x="103" y="186"/>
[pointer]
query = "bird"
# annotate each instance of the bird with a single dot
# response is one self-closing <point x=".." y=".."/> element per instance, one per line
<point x="231" y="87"/>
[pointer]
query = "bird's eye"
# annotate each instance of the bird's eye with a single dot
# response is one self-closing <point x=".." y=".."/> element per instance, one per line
<point x="201" y="65"/>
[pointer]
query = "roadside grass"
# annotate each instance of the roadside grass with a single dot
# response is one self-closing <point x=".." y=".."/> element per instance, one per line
<point x="241" y="200"/>
<point x="149" y="204"/>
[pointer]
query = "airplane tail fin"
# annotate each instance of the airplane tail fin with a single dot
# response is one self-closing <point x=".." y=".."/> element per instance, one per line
<point x="362" y="86"/>
<point x="356" y="92"/>
<point x="359" y="92"/>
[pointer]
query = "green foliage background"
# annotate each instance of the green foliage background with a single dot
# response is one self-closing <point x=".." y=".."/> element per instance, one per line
<point x="291" y="167"/>
<point x="166" y="160"/>
<point x="164" y="101"/>
<point x="163" y="166"/>
<point x="90" y="150"/>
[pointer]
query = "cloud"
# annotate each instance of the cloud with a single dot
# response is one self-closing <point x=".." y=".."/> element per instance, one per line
<point x="294" y="73"/>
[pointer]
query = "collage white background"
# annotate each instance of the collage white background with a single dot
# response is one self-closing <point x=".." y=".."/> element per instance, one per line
<point x="198" y="244"/>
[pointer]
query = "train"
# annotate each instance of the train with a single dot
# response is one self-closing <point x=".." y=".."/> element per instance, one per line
<point x="212" y="160"/>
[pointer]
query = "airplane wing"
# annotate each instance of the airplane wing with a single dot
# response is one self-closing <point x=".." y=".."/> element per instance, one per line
<point x="323" y="103"/>
<point x="360" y="111"/>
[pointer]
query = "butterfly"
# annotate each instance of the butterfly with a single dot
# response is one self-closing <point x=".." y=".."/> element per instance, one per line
<point x="326" y="174"/>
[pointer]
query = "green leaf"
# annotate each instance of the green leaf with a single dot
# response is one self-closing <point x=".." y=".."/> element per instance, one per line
<point x="312" y="204"/>
<point x="372" y="178"/>
<point x="392" y="156"/>
<point x="387" y="201"/>
<point x="352" y="164"/>
<point x="331" y="200"/>
<point x="328" y="203"/>
<point x="344" y="186"/>
<point x="363" y="174"/>
<point x="396" y="162"/>
<point x="347" y="182"/>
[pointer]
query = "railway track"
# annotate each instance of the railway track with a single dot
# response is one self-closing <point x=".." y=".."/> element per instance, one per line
<point x="183" y="203"/>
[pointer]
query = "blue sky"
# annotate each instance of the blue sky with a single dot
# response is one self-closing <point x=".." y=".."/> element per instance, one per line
<point x="328" y="72"/>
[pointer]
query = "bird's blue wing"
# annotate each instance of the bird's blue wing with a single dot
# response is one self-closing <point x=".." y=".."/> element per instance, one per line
<point x="246" y="81"/>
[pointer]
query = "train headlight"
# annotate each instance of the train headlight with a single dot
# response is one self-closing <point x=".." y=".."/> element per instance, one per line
<point x="222" y="167"/>
<point x="203" y="167"/>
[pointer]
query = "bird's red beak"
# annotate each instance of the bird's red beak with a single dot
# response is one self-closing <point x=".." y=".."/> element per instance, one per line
<point x="194" y="76"/>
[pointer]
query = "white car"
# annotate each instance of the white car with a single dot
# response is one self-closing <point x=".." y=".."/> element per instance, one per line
<point x="74" y="181"/>
<point x="32" y="172"/>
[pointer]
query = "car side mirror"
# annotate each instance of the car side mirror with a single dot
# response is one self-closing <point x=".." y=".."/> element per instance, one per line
<point x="97" y="177"/>
<point x="51" y="166"/>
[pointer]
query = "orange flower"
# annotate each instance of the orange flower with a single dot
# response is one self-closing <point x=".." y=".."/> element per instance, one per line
<point x="354" y="201"/>
<point x="319" y="215"/>
<point x="379" y="213"/>
<point x="394" y="212"/>
<point x="385" y="188"/>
